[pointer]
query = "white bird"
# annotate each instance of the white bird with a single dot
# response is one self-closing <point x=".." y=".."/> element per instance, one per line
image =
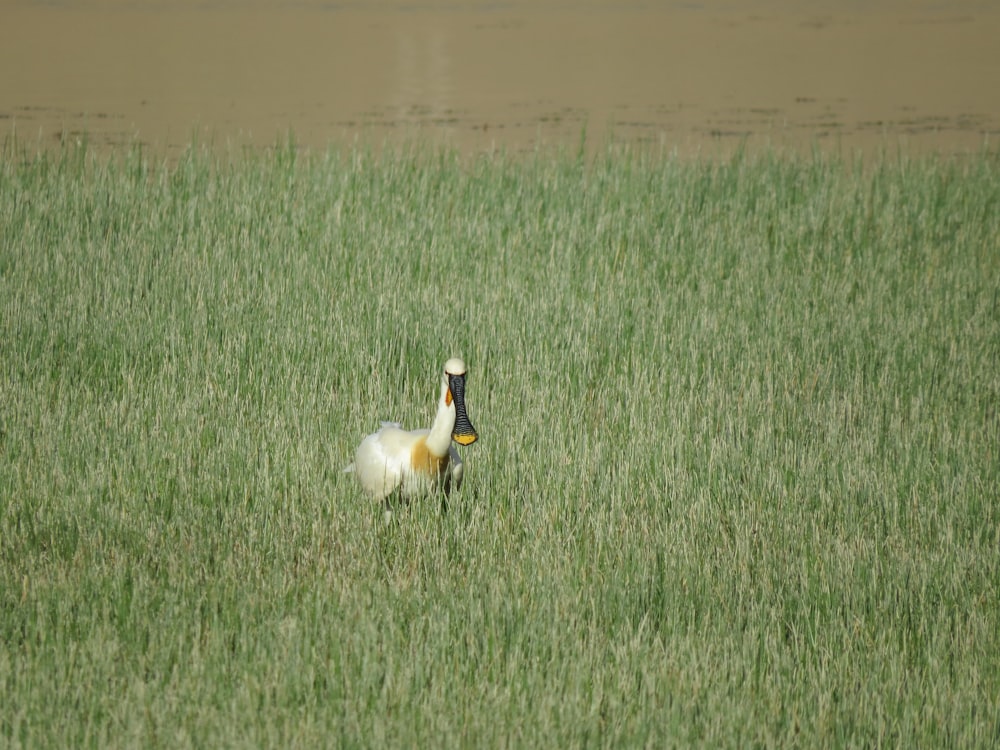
<point x="419" y="462"/>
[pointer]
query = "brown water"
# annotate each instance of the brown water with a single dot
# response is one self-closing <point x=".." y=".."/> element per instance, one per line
<point x="691" y="76"/>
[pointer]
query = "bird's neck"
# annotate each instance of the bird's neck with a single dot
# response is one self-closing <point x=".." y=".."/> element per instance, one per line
<point x="439" y="439"/>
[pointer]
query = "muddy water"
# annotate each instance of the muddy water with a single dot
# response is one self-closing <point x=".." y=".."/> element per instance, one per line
<point x="696" y="77"/>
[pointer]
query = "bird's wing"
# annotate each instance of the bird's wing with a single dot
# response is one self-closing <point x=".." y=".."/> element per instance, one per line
<point x="381" y="458"/>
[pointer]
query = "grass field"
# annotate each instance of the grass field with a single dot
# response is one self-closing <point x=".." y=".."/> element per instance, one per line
<point x="737" y="483"/>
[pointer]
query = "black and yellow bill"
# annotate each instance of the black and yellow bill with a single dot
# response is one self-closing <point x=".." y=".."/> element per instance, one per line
<point x="464" y="433"/>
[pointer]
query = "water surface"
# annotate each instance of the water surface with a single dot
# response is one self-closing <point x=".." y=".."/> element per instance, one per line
<point x="694" y="77"/>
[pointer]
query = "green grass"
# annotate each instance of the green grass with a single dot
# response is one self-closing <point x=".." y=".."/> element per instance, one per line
<point x="737" y="484"/>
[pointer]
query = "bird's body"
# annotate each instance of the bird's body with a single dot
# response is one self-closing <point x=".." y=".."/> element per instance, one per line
<point x="396" y="459"/>
<point x="419" y="462"/>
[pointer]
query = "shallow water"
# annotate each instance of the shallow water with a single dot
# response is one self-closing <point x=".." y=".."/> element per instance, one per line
<point x="695" y="77"/>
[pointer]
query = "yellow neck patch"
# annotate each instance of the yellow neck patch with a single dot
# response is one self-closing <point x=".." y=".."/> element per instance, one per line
<point x="422" y="461"/>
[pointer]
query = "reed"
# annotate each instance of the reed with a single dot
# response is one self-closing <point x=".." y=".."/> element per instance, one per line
<point x="736" y="485"/>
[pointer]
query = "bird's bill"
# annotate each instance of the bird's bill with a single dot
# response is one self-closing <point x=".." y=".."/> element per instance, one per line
<point x="465" y="437"/>
<point x="464" y="433"/>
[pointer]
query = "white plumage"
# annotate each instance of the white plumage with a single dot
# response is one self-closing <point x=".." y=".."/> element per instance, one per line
<point x="419" y="462"/>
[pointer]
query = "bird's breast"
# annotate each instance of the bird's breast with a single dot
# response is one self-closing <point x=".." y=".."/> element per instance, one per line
<point x="422" y="461"/>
